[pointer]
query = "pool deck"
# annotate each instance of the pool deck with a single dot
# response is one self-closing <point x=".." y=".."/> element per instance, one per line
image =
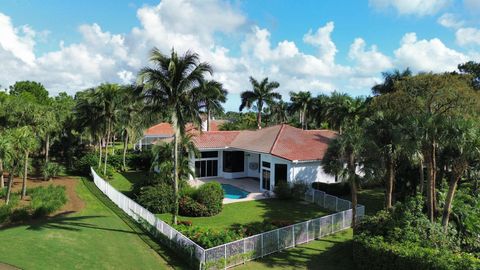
<point x="247" y="184"/>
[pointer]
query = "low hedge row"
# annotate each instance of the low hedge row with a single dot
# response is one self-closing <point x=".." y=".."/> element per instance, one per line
<point x="373" y="253"/>
<point x="136" y="161"/>
<point x="336" y="189"/>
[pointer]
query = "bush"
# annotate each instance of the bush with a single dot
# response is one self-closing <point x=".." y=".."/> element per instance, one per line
<point x="139" y="161"/>
<point x="191" y="208"/>
<point x="207" y="237"/>
<point x="157" y="198"/>
<point x="83" y="164"/>
<point x="372" y="253"/>
<point x="47" y="200"/>
<point x="299" y="189"/>
<point x="283" y="191"/>
<point x="336" y="189"/>
<point x="51" y="170"/>
<point x="108" y="175"/>
<point x="211" y="196"/>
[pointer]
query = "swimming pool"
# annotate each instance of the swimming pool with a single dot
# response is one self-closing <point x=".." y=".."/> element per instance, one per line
<point x="232" y="192"/>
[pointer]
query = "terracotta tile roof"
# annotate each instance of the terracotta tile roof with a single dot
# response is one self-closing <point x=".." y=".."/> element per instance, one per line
<point x="215" y="139"/>
<point x="283" y="141"/>
<point x="296" y="144"/>
<point x="165" y="129"/>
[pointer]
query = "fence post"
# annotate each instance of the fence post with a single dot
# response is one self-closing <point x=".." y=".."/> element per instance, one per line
<point x="293" y="234"/>
<point x="244" y="251"/>
<point x="307" y="232"/>
<point x="278" y="239"/>
<point x="225" y="256"/>
<point x="332" y="222"/>
<point x="261" y="245"/>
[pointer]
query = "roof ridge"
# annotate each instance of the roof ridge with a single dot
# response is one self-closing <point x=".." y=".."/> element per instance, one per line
<point x="276" y="138"/>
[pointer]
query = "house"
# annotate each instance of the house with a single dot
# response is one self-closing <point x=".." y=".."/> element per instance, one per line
<point x="272" y="155"/>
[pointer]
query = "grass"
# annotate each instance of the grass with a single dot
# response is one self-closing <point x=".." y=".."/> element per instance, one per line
<point x="251" y="212"/>
<point x="331" y="252"/>
<point x="94" y="238"/>
<point x="124" y="181"/>
<point x="371" y="198"/>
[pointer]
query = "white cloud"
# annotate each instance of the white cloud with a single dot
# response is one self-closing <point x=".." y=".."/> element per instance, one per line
<point x="468" y="36"/>
<point x="411" y="7"/>
<point x="369" y="61"/>
<point x="322" y="39"/>
<point x="449" y="20"/>
<point x="21" y="46"/>
<point x="427" y="55"/>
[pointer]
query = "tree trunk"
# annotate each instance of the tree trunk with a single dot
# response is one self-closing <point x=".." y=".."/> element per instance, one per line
<point x="448" y="201"/>
<point x="431" y="182"/>
<point x="99" y="153"/>
<point x="125" y="146"/>
<point x="259" y="117"/>
<point x="25" y="172"/>
<point x="106" y="148"/>
<point x="353" y="188"/>
<point x="2" y="183"/>
<point x="389" y="182"/>
<point x="208" y="119"/>
<point x="47" y="147"/>
<point x="175" y="160"/>
<point x="9" y="187"/>
<point x="421" y="176"/>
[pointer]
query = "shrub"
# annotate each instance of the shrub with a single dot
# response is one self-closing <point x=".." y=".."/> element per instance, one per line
<point x="211" y="196"/>
<point x="298" y="189"/>
<point x="139" y="161"/>
<point x="19" y="214"/>
<point x="191" y="208"/>
<point x="336" y="189"/>
<point x="372" y="253"/>
<point x="46" y="200"/>
<point x="185" y="222"/>
<point x="83" y="164"/>
<point x="157" y="198"/>
<point x="51" y="170"/>
<point x="207" y="237"/>
<point x="283" y="191"/>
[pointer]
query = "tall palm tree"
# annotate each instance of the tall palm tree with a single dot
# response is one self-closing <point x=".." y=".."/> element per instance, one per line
<point x="27" y="143"/>
<point x="389" y="80"/>
<point x="347" y="150"/>
<point x="463" y="145"/>
<point x="261" y="93"/>
<point x="172" y="86"/>
<point x="279" y="111"/>
<point x="108" y="96"/>
<point x="211" y="98"/>
<point x="302" y="103"/>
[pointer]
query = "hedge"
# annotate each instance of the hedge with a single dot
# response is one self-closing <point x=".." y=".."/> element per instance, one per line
<point x="372" y="253"/>
<point x="336" y="189"/>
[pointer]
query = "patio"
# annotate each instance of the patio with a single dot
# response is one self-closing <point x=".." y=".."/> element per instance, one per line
<point x="248" y="184"/>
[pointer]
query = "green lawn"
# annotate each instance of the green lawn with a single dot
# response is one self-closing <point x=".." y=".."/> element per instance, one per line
<point x="330" y="253"/>
<point x="123" y="181"/>
<point x="251" y="212"/>
<point x="94" y="238"/>
<point x="372" y="199"/>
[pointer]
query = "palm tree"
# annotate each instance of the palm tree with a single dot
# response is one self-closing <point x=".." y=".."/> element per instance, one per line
<point x="129" y="119"/>
<point x="172" y="86"/>
<point x="108" y="96"/>
<point x="389" y="80"/>
<point x="302" y="103"/>
<point x="262" y="93"/>
<point x="26" y="142"/>
<point x="279" y="111"/>
<point x="463" y="145"/>
<point x="346" y="149"/>
<point x="5" y="155"/>
<point x="211" y="97"/>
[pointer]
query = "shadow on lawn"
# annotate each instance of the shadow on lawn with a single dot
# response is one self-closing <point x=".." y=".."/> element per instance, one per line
<point x="70" y="224"/>
<point x="332" y="253"/>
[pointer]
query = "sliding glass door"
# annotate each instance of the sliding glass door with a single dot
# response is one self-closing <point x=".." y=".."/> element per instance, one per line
<point x="206" y="168"/>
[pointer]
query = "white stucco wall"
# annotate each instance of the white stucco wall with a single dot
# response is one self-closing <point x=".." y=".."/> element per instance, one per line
<point x="310" y="172"/>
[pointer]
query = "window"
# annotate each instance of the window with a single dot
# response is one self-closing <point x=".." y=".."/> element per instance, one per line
<point x="266" y="179"/>
<point x="266" y="164"/>
<point x="206" y="168"/>
<point x="209" y="154"/>
<point x="233" y="161"/>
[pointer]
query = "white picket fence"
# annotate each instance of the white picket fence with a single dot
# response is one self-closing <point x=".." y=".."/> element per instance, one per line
<point x="243" y="250"/>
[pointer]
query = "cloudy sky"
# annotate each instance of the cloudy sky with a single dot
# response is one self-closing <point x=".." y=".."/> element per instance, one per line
<point x="319" y="46"/>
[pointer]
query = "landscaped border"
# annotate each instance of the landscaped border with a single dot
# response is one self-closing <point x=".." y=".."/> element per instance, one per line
<point x="243" y="250"/>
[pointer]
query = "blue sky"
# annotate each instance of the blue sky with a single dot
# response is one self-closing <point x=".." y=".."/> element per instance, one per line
<point x="319" y="46"/>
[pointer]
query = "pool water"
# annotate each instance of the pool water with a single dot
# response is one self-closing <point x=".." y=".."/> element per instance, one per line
<point x="232" y="192"/>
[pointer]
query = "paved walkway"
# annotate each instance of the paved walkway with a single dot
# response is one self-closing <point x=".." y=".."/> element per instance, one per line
<point x="247" y="184"/>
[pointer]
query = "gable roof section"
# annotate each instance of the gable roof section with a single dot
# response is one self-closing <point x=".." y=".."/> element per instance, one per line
<point x="296" y="144"/>
<point x="283" y="141"/>
<point x="165" y="129"/>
